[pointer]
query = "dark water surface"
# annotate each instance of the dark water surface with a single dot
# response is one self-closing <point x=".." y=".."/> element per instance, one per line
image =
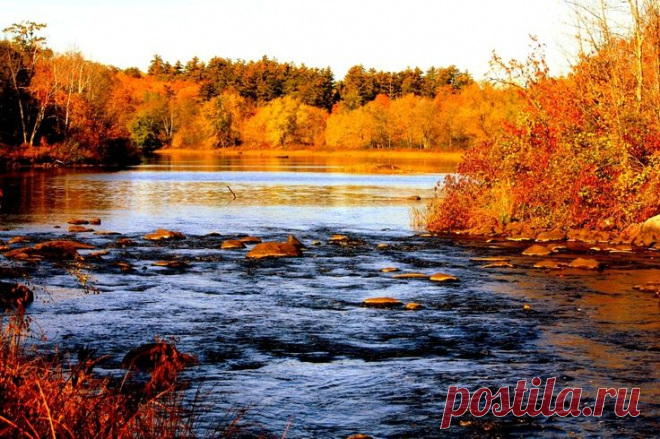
<point x="289" y="337"/>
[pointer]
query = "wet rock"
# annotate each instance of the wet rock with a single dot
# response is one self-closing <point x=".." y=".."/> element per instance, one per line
<point x="537" y="250"/>
<point x="213" y="234"/>
<point x="490" y="259"/>
<point x="336" y="239"/>
<point x="382" y="246"/>
<point x="19" y="240"/>
<point x="95" y="221"/>
<point x="550" y="265"/>
<point x="274" y="250"/>
<point x="124" y="267"/>
<point x="106" y="233"/>
<point x="250" y="240"/>
<point x="520" y="238"/>
<point x="389" y="269"/>
<point x="414" y="306"/>
<point x="14" y="295"/>
<point x="359" y="436"/>
<point x="4" y="248"/>
<point x="151" y="356"/>
<point x="585" y="264"/>
<point x="164" y="235"/>
<point x="292" y="240"/>
<point x="444" y="278"/>
<point x="500" y="264"/>
<point x="79" y="229"/>
<point x="527" y="307"/>
<point x="556" y="248"/>
<point x="650" y="287"/>
<point x="554" y="235"/>
<point x="77" y="222"/>
<point x="381" y="302"/>
<point x="61" y="249"/>
<point x="411" y="276"/>
<point x="415" y="198"/>
<point x="232" y="244"/>
<point x="99" y="254"/>
<point x="178" y="265"/>
<point x="124" y="242"/>
<point x="316" y="242"/>
<point x="23" y="254"/>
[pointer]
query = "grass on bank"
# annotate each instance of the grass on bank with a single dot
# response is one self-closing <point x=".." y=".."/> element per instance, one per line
<point x="43" y="397"/>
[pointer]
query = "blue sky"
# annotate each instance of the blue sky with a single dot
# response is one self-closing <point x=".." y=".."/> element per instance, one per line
<point x="385" y="34"/>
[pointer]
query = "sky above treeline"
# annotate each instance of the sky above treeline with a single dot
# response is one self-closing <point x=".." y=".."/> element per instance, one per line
<point x="384" y="34"/>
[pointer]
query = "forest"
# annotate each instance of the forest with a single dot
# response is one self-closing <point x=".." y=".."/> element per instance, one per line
<point x="62" y="108"/>
<point x="584" y="149"/>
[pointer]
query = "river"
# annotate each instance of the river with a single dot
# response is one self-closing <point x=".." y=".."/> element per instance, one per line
<point x="289" y="339"/>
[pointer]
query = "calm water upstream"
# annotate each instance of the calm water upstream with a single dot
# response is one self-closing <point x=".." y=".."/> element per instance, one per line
<point x="289" y="338"/>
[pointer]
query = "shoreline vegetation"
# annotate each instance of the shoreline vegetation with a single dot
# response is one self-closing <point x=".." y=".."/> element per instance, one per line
<point x="60" y="109"/>
<point x="582" y="158"/>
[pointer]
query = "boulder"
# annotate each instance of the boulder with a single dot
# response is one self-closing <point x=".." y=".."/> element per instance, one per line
<point x="61" y="249"/>
<point x="172" y="264"/>
<point x="550" y="265"/>
<point x="414" y="306"/>
<point x="77" y="222"/>
<point x="232" y="244"/>
<point x="14" y="295"/>
<point x="19" y="240"/>
<point x="554" y="235"/>
<point x="442" y="277"/>
<point x="500" y="264"/>
<point x="150" y="356"/>
<point x="79" y="229"/>
<point x="250" y="240"/>
<point x="537" y="250"/>
<point x="586" y="264"/>
<point x="274" y="250"/>
<point x="292" y="240"/>
<point x="164" y="235"/>
<point x="95" y="221"/>
<point x="389" y="269"/>
<point x="22" y="254"/>
<point x="381" y="302"/>
<point x="411" y="276"/>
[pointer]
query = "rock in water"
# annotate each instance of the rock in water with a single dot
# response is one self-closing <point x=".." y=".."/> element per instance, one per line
<point x="292" y="240"/>
<point x="537" y="250"/>
<point x="414" y="306"/>
<point x="585" y="264"/>
<point x="164" y="235"/>
<point x="442" y="277"/>
<point x="232" y="244"/>
<point x="274" y="250"/>
<point x="381" y="302"/>
<point x="14" y="295"/>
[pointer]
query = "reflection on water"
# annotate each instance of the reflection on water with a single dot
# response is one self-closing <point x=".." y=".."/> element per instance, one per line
<point x="290" y="338"/>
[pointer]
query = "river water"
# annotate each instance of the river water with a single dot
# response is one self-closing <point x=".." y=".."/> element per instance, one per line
<point x="289" y="339"/>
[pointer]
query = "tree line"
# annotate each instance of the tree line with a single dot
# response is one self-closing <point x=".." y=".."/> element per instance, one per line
<point x="63" y="107"/>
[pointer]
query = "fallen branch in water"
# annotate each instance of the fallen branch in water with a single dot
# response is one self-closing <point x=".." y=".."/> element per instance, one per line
<point x="232" y="192"/>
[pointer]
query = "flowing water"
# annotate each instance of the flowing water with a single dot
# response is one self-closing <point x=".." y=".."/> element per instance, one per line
<point x="289" y="339"/>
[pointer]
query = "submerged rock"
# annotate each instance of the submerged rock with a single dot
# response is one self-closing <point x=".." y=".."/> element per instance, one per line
<point x="19" y="240"/>
<point x="537" y="250"/>
<point x="14" y="295"/>
<point x="442" y="277"/>
<point x="414" y="306"/>
<point x="550" y="265"/>
<point x="61" y="249"/>
<point x="79" y="229"/>
<point x="585" y="264"/>
<point x="150" y="356"/>
<point x="164" y="235"/>
<point x="250" y="240"/>
<point x="274" y="250"/>
<point x="172" y="264"/>
<point x="232" y="244"/>
<point x="500" y="264"/>
<point x="411" y="276"/>
<point x="381" y="302"/>
<point x="389" y="269"/>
